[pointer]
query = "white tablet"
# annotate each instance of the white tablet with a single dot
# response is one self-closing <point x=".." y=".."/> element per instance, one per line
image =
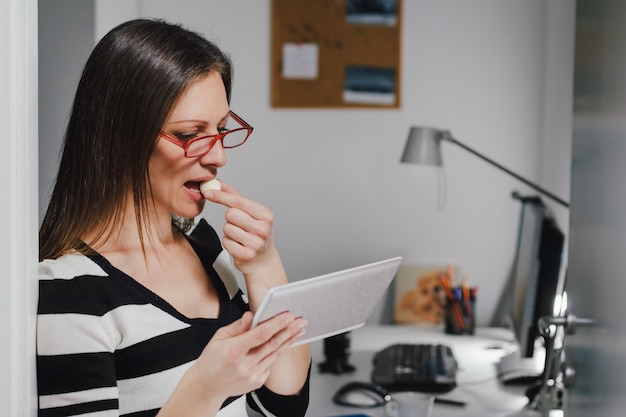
<point x="332" y="303"/>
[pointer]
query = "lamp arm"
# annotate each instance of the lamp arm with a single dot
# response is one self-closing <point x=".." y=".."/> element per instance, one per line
<point x="446" y="136"/>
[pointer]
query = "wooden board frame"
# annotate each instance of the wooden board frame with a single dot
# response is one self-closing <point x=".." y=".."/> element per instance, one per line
<point x="344" y="48"/>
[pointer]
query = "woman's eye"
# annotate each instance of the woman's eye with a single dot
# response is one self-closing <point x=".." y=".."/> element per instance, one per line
<point x="223" y="129"/>
<point x="186" y="136"/>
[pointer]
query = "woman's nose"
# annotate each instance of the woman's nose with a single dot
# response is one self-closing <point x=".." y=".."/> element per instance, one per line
<point x="215" y="156"/>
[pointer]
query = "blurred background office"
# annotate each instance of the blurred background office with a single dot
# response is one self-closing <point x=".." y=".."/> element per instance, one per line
<point x="501" y="75"/>
<point x="498" y="74"/>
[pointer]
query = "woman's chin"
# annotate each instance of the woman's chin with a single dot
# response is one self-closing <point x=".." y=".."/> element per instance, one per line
<point x="191" y="211"/>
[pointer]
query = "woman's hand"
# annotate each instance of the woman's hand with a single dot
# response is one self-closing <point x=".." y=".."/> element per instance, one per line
<point x="236" y="360"/>
<point x="249" y="240"/>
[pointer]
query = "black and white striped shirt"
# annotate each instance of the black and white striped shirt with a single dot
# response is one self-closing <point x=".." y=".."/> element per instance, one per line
<point x="108" y="346"/>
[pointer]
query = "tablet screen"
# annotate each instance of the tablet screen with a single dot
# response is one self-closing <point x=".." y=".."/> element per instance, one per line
<point x="332" y="303"/>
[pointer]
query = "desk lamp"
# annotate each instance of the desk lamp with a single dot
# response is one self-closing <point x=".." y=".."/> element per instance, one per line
<point x="423" y="146"/>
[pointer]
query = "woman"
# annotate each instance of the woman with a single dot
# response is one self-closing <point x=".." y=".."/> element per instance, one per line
<point x="139" y="311"/>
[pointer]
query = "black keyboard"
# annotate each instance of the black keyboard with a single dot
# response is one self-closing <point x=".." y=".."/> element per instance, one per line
<point x="415" y="367"/>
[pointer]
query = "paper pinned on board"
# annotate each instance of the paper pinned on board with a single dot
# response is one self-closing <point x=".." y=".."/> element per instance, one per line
<point x="300" y="61"/>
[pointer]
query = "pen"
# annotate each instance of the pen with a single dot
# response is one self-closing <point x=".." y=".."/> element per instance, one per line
<point x="467" y="301"/>
<point x="446" y="401"/>
<point x="465" y="287"/>
<point x="450" y="272"/>
<point x="445" y="283"/>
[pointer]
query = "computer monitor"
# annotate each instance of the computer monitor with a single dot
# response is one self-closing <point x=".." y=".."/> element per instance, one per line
<point x="537" y="271"/>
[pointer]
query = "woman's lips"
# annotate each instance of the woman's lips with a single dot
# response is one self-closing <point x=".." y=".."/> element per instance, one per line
<point x="193" y="188"/>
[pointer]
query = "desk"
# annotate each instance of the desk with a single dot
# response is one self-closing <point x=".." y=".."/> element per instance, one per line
<point x="477" y="383"/>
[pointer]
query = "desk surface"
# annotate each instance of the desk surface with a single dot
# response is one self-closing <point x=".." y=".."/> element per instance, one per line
<point x="477" y="382"/>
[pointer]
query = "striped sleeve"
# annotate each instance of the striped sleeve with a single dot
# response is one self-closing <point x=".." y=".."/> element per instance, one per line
<point x="103" y="348"/>
<point x="75" y="360"/>
<point x="270" y="404"/>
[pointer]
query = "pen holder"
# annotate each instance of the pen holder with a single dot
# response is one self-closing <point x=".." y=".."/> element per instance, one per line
<point x="460" y="312"/>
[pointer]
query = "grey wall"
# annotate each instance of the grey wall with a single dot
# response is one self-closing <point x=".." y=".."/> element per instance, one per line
<point x="66" y="37"/>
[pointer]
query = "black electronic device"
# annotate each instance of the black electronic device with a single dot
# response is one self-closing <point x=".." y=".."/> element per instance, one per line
<point x="428" y="368"/>
<point x="537" y="271"/>
<point x="537" y="282"/>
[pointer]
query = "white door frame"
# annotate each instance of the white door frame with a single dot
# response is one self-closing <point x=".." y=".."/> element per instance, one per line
<point x="18" y="206"/>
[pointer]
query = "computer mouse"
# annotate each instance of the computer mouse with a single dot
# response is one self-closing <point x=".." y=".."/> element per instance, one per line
<point x="362" y="395"/>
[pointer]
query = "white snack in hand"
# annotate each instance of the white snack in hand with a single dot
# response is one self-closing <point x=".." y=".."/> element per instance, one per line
<point x="213" y="184"/>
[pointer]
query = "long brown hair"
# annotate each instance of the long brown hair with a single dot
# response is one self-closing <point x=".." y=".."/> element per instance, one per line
<point x="128" y="87"/>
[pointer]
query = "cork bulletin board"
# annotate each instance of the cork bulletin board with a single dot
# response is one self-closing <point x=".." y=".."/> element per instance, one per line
<point x="336" y="53"/>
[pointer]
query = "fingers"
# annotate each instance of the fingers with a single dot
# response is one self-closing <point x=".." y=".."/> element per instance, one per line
<point x="266" y="342"/>
<point x="269" y="335"/>
<point x="276" y="331"/>
<point x="229" y="197"/>
<point x="242" y="228"/>
<point x="234" y="330"/>
<point x="248" y="227"/>
<point x="271" y="338"/>
<point x="243" y="209"/>
<point x="224" y="186"/>
<point x="238" y="359"/>
<point x="268" y="352"/>
<point x="238" y="327"/>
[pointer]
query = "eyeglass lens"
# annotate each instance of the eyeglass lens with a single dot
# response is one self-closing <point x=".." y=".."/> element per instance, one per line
<point x="233" y="135"/>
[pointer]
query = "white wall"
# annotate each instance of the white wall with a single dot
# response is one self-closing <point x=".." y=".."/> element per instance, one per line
<point x="18" y="206"/>
<point x="497" y="74"/>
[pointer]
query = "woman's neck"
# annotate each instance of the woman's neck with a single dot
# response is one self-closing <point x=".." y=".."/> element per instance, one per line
<point x="126" y="235"/>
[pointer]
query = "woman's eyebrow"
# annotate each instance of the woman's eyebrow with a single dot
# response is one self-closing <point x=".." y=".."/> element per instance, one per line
<point x="195" y="121"/>
<point x="199" y="122"/>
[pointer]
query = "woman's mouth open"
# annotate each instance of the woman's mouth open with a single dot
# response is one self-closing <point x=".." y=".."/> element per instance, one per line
<point x="193" y="187"/>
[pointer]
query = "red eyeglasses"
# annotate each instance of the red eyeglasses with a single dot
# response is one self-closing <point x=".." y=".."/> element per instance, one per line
<point x="234" y="134"/>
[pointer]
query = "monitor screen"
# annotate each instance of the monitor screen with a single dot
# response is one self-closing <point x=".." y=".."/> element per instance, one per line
<point x="536" y="272"/>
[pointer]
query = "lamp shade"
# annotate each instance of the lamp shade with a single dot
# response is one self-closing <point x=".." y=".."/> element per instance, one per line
<point x="423" y="146"/>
